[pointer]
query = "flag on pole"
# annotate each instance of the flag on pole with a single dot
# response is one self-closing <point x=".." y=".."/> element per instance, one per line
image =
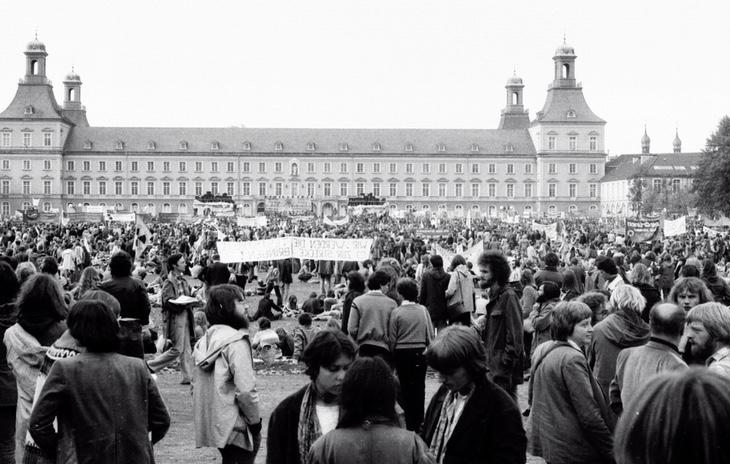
<point x="142" y="236"/>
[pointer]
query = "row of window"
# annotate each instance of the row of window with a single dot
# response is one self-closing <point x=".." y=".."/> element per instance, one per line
<point x="279" y="146"/>
<point x="307" y="189"/>
<point x="6" y="139"/>
<point x="552" y="142"/>
<point x="425" y="168"/>
<point x="182" y="208"/>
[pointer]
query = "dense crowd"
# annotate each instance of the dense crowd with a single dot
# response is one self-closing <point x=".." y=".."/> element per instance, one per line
<point x="625" y="347"/>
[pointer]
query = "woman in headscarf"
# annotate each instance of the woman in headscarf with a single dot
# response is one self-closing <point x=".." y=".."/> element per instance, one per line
<point x="41" y="313"/>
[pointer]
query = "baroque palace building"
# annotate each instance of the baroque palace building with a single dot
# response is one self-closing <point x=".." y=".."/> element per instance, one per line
<point x="550" y="165"/>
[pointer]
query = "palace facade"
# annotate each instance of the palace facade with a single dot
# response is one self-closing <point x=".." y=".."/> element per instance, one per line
<point x="548" y="165"/>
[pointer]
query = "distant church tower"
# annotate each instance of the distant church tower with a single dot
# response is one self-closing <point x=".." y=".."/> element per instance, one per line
<point x="35" y="62"/>
<point x="645" y="143"/>
<point x="514" y="115"/>
<point x="677" y="143"/>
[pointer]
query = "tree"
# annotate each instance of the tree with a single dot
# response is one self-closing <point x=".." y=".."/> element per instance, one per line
<point x="712" y="179"/>
<point x="637" y="191"/>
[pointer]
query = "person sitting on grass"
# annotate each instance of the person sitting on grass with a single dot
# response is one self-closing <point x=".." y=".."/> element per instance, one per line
<point x="265" y="340"/>
<point x="303" y="334"/>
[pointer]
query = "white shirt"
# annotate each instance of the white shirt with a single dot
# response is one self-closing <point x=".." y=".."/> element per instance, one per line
<point x="327" y="415"/>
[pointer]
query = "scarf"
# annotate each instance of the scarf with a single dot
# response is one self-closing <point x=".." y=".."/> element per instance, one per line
<point x="445" y="427"/>
<point x="308" y="429"/>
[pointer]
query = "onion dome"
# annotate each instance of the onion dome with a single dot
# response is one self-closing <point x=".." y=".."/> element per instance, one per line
<point x="36" y="45"/>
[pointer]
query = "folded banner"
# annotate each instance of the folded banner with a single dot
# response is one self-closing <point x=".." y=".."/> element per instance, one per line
<point x="295" y="247"/>
<point x="676" y="227"/>
<point x="643" y="230"/>
<point x="339" y="222"/>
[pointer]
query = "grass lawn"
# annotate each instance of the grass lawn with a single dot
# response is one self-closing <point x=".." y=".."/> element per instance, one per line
<point x="274" y="384"/>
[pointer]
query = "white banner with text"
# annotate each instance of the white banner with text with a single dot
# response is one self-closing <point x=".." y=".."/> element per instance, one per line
<point x="335" y="249"/>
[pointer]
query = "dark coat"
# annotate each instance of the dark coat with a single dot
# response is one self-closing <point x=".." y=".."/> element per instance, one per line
<point x="90" y="391"/>
<point x="503" y="336"/>
<point x="652" y="296"/>
<point x="571" y="422"/>
<point x="282" y="444"/>
<point x="434" y="283"/>
<point x="215" y="274"/>
<point x="489" y="429"/>
<point x="8" y="387"/>
<point x="132" y="296"/>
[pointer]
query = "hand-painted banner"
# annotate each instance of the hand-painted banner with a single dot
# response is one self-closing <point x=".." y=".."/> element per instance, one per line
<point x="676" y="227"/>
<point x="255" y="250"/>
<point x="121" y="217"/>
<point x="258" y="221"/>
<point x="642" y="230"/>
<point x="295" y="247"/>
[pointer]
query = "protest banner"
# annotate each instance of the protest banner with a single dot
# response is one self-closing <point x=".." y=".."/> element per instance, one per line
<point x="295" y="247"/>
<point x="255" y="250"/>
<point x="675" y="227"/>
<point x="337" y="249"/>
<point x="121" y="217"/>
<point x="642" y="230"/>
<point x="258" y="221"/>
<point x="339" y="222"/>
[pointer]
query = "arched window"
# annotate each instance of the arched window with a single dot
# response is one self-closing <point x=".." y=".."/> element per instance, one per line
<point x="515" y="98"/>
<point x="33" y="67"/>
<point x="182" y="208"/>
<point x="46" y="207"/>
<point x="565" y="71"/>
<point x="71" y="94"/>
<point x="135" y="207"/>
<point x="166" y="208"/>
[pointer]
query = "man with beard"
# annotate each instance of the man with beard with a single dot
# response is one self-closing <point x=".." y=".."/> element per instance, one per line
<point x="708" y="334"/>
<point x="503" y="328"/>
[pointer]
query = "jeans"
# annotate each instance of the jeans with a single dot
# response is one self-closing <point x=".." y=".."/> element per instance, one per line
<point x="410" y="365"/>
<point x="272" y="286"/>
<point x="179" y="334"/>
<point x="7" y="434"/>
<point x="234" y="455"/>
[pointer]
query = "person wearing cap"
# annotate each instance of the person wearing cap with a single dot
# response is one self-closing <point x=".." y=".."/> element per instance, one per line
<point x="609" y="272"/>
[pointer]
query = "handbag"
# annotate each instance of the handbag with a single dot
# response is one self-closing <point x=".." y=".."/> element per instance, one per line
<point x="456" y="308"/>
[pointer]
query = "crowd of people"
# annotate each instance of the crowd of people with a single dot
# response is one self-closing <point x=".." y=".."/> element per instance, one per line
<point x="625" y="347"/>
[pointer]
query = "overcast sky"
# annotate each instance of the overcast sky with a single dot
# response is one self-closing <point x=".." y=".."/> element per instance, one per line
<point x="371" y="64"/>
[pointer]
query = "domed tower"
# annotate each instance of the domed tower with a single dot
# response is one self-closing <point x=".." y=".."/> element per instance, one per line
<point x="72" y="107"/>
<point x="645" y="143"/>
<point x="677" y="143"/>
<point x="514" y="115"/>
<point x="35" y="62"/>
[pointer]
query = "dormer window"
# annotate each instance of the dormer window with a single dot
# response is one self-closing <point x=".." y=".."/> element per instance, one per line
<point x="311" y="146"/>
<point x="441" y="147"/>
<point x="570" y="114"/>
<point x="474" y="147"/>
<point x="88" y="145"/>
<point x="151" y="146"/>
<point x="119" y="145"/>
<point x="509" y="148"/>
<point x="278" y="146"/>
<point x="215" y="145"/>
<point x="246" y="146"/>
<point x="183" y="145"/>
<point x="29" y="109"/>
<point x="344" y="147"/>
<point x="377" y="147"/>
<point x="408" y="147"/>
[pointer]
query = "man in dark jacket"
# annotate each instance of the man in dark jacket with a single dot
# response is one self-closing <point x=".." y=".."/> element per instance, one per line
<point x="434" y="283"/>
<point x="133" y="301"/>
<point x="550" y="271"/>
<point x="469" y="419"/>
<point x="503" y="330"/>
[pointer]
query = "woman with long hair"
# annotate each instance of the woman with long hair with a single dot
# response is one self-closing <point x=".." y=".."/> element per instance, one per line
<point x="89" y="280"/>
<point x="225" y="403"/>
<point x="460" y="290"/>
<point x="571" y="288"/>
<point x="642" y="279"/>
<point x="86" y="391"/>
<point x="355" y="288"/>
<point x="41" y="311"/>
<point x="367" y="430"/>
